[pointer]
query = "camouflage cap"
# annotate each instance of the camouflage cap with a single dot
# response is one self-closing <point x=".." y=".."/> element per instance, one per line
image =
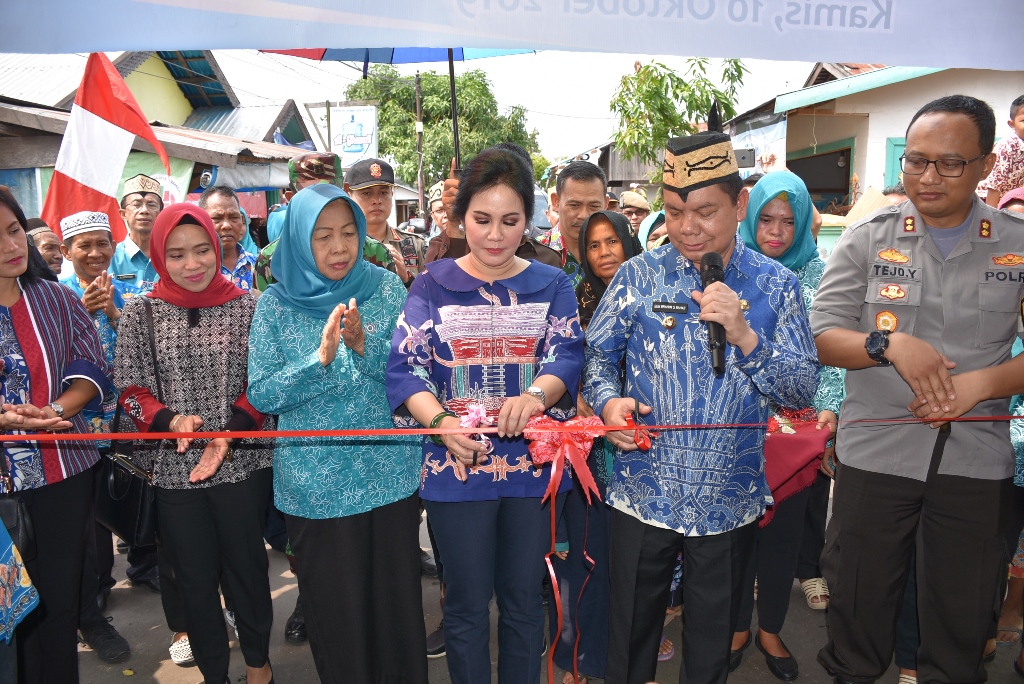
<point x="315" y="167"/>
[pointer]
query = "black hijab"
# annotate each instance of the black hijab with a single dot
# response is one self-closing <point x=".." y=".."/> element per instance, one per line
<point x="591" y="288"/>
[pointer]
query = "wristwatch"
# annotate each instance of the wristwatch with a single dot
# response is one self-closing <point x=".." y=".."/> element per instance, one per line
<point x="537" y="393"/>
<point x="57" y="408"/>
<point x="876" y="344"/>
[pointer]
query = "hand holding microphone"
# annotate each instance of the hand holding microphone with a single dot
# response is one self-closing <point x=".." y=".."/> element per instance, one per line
<point x="720" y="307"/>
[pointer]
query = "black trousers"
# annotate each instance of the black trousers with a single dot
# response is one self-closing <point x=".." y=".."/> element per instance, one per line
<point x="48" y="636"/>
<point x="216" y="538"/>
<point x="641" y="564"/>
<point x="814" y="528"/>
<point x="956" y="524"/>
<point x="774" y="566"/>
<point x="361" y="591"/>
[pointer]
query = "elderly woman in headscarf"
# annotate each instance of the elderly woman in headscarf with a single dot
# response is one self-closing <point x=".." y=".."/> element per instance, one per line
<point x="178" y="370"/>
<point x="318" y="351"/>
<point x="607" y="240"/>
<point x="778" y="224"/>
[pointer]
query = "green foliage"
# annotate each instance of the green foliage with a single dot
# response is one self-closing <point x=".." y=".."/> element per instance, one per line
<point x="481" y="125"/>
<point x="540" y="163"/>
<point x="655" y="103"/>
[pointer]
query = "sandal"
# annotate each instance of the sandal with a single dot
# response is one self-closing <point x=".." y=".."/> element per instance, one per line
<point x="1011" y="630"/>
<point x="906" y="679"/>
<point x="667" y="655"/>
<point x="816" y="589"/>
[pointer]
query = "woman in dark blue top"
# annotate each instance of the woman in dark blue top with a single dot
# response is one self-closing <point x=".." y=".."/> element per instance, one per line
<point x="496" y="337"/>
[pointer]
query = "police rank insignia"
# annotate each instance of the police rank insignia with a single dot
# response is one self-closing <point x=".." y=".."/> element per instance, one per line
<point x="892" y="292"/>
<point x="893" y="256"/>
<point x="886" y="320"/>
<point x="908" y="225"/>
<point x="985" y="228"/>
<point x="1008" y="260"/>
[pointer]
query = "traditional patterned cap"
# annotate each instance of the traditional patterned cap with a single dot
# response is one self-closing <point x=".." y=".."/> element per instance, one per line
<point x="315" y="167"/>
<point x="435" y="192"/>
<point x="697" y="161"/>
<point x="83" y="222"/>
<point x="369" y="172"/>
<point x="141" y="183"/>
<point x="634" y="200"/>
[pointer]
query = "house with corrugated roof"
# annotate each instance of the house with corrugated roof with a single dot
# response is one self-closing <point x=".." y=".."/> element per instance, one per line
<point x="186" y="97"/>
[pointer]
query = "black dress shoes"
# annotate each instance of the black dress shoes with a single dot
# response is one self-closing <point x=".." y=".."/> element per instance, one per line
<point x="785" y="669"/>
<point x="295" y="625"/>
<point x="736" y="657"/>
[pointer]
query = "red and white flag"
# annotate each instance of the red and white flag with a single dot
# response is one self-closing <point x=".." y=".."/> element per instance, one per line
<point x="101" y="130"/>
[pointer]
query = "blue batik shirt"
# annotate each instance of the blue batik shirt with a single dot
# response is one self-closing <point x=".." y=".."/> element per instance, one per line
<point x="99" y="421"/>
<point x="242" y="275"/>
<point x="697" y="482"/>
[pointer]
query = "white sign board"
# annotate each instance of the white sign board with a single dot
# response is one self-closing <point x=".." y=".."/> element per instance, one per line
<point x="353" y="130"/>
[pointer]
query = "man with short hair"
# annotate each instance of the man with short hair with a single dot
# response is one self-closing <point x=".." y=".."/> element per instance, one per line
<point x="579" y="192"/>
<point x="48" y="244"/>
<point x="910" y="294"/>
<point x="371" y="183"/>
<point x="237" y="265"/>
<point x="698" y="491"/>
<point x="635" y="207"/>
<point x="141" y="202"/>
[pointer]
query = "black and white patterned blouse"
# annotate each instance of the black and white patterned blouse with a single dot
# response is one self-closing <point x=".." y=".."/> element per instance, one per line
<point x="202" y="359"/>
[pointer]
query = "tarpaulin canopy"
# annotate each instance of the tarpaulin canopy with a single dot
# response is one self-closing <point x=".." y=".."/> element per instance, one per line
<point x="930" y="33"/>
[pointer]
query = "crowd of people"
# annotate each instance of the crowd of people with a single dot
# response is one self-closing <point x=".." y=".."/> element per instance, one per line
<point x="799" y="379"/>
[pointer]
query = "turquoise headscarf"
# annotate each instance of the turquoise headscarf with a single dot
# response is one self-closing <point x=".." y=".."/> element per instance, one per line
<point x="298" y="283"/>
<point x="768" y="188"/>
<point x="248" y="244"/>
<point x="647" y="227"/>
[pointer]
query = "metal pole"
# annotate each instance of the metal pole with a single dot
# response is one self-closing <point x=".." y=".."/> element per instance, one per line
<point x="419" y="143"/>
<point x="455" y="107"/>
<point x="327" y="103"/>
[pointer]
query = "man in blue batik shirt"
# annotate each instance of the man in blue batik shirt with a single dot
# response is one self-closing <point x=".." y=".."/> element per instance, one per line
<point x="700" y="491"/>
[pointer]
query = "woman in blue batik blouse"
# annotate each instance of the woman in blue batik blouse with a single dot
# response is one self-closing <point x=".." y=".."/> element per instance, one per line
<point x="488" y="338"/>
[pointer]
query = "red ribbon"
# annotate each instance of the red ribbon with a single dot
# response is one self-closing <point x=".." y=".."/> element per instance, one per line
<point x="556" y="448"/>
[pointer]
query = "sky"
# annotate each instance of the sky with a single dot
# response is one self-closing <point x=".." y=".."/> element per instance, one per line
<point x="566" y="94"/>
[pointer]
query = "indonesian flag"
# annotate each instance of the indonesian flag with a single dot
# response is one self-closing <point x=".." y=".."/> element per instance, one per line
<point x="101" y="130"/>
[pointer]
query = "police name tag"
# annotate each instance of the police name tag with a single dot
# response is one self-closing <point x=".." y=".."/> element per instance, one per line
<point x="125" y="276"/>
<point x="670" y="307"/>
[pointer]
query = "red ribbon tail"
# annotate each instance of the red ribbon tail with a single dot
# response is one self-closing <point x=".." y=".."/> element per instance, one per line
<point x="582" y="471"/>
<point x="557" y="466"/>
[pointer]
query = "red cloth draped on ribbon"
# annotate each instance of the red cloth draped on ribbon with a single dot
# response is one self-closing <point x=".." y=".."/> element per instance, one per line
<point x="556" y="448"/>
<point x="791" y="461"/>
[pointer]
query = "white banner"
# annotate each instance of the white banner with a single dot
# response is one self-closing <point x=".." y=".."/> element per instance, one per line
<point x="353" y="130"/>
<point x="932" y="33"/>
<point x="766" y="135"/>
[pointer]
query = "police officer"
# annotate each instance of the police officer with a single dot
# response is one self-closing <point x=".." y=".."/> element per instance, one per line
<point x="920" y="302"/>
<point x="371" y="183"/>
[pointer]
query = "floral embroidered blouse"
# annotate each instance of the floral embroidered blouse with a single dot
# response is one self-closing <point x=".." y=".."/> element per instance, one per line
<point x="830" y="380"/>
<point x="469" y="343"/>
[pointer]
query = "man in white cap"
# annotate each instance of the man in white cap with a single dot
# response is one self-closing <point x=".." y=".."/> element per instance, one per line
<point x="635" y="207"/>
<point x="141" y="202"/>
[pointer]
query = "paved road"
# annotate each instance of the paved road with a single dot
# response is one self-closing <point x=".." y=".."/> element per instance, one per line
<point x="137" y="614"/>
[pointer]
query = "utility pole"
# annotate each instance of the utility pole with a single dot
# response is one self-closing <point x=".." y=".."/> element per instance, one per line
<point x="419" y="144"/>
<point x="327" y="103"/>
<point x="455" y="107"/>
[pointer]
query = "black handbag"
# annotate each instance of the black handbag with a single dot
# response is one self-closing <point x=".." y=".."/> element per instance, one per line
<point x="15" y="517"/>
<point x="126" y="497"/>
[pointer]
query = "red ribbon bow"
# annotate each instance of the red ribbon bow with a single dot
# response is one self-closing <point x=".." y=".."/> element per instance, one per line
<point x="558" y="447"/>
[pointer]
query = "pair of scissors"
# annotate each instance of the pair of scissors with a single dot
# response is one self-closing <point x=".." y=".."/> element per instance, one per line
<point x="641" y="436"/>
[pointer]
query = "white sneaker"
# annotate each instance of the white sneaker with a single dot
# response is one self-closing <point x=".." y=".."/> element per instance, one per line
<point x="181" y="653"/>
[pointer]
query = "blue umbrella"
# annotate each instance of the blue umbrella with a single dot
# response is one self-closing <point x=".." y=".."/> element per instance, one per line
<point x="405" y="56"/>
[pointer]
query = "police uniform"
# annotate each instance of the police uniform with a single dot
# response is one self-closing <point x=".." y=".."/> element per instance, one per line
<point x="948" y="486"/>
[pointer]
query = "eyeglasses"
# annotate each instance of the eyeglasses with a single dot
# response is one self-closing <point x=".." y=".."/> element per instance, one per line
<point x="630" y="213"/>
<point x="138" y="205"/>
<point x="948" y="168"/>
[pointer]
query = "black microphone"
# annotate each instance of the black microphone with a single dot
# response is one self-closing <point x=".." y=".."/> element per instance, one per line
<point x="712" y="270"/>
